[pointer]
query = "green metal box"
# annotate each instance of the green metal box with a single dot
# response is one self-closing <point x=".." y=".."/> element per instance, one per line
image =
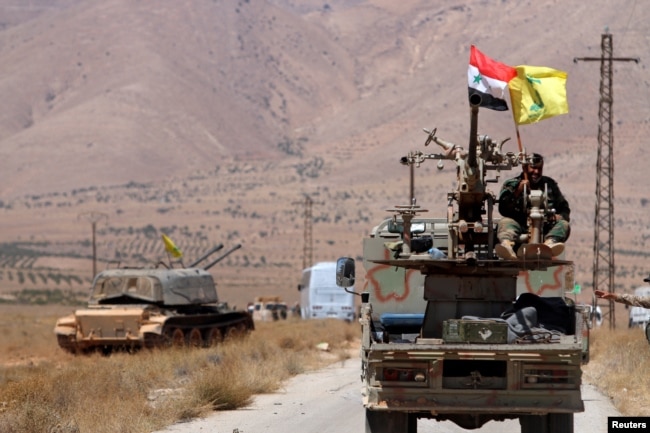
<point x="474" y="331"/>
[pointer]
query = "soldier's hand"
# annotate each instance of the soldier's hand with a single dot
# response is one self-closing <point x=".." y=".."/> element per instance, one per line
<point x="524" y="183"/>
<point x="604" y="295"/>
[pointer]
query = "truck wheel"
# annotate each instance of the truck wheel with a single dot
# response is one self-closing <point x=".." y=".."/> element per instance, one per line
<point x="390" y="422"/>
<point x="560" y="422"/>
<point x="647" y="332"/>
<point x="551" y="423"/>
<point x="534" y="424"/>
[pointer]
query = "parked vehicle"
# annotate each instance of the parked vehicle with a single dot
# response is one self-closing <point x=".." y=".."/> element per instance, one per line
<point x="269" y="309"/>
<point x="321" y="298"/>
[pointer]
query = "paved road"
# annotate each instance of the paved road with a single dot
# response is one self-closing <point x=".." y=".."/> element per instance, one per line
<point x="328" y="401"/>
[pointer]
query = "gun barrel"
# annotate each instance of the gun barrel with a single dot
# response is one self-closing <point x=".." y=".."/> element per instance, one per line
<point x="223" y="256"/>
<point x="474" y="102"/>
<point x="206" y="255"/>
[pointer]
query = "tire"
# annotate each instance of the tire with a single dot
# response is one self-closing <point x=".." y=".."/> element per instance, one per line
<point x="551" y="423"/>
<point x="647" y="332"/>
<point x="390" y="422"/>
<point x="534" y="423"/>
<point x="560" y="422"/>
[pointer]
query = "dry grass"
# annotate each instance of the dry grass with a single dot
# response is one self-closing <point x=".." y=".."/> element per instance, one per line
<point x="43" y="389"/>
<point x="151" y="389"/>
<point x="620" y="361"/>
<point x="26" y="335"/>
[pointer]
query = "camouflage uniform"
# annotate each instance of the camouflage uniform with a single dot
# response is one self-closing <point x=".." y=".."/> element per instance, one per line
<point x="633" y="300"/>
<point x="514" y="219"/>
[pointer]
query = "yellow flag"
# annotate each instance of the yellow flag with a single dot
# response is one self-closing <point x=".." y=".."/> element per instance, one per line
<point x="171" y="247"/>
<point x="537" y="93"/>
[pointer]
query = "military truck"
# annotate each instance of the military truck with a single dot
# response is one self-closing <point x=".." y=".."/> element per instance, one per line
<point x="132" y="308"/>
<point x="452" y="332"/>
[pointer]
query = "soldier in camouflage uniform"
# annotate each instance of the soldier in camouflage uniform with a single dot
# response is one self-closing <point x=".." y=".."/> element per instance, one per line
<point x="514" y="221"/>
<point x="624" y="298"/>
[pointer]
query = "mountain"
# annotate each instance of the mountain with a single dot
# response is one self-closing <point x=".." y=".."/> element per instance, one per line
<point x="211" y="121"/>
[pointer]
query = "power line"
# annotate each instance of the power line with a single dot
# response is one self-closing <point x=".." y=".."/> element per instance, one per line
<point x="93" y="218"/>
<point x="603" y="266"/>
<point x="307" y="249"/>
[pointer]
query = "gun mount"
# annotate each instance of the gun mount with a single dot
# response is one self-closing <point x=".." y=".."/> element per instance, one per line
<point x="211" y="251"/>
<point x="223" y="256"/>
<point x="471" y="195"/>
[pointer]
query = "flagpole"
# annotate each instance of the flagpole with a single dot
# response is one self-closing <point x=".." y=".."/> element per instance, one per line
<point x="521" y="151"/>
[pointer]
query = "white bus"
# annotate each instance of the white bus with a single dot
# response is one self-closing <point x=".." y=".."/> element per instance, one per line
<point x="321" y="298"/>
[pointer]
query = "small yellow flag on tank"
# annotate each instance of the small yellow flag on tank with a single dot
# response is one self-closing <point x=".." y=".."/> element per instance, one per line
<point x="171" y="247"/>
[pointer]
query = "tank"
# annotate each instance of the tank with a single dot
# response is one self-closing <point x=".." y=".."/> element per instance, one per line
<point x="452" y="332"/>
<point x="133" y="308"/>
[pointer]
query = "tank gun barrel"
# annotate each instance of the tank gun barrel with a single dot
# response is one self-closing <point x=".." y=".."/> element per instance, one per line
<point x="223" y="256"/>
<point x="206" y="255"/>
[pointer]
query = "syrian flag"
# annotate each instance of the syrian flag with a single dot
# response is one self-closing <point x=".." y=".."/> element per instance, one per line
<point x="488" y="79"/>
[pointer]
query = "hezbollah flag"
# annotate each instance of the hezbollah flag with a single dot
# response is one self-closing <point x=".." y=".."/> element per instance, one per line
<point x="488" y="79"/>
<point x="171" y="247"/>
<point x="537" y="93"/>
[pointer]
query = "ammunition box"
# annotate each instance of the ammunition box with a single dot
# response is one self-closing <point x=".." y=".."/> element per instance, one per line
<point x="474" y="331"/>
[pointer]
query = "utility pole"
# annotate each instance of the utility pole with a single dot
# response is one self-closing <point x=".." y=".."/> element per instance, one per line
<point x="94" y="218"/>
<point x="307" y="249"/>
<point x="603" y="266"/>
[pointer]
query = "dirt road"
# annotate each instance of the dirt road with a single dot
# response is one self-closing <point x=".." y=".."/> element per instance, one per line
<point x="329" y="401"/>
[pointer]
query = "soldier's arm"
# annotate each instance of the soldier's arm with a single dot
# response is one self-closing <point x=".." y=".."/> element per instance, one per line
<point x="636" y="301"/>
<point x="624" y="298"/>
<point x="509" y="203"/>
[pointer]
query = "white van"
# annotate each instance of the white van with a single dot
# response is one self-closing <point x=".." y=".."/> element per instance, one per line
<point x="639" y="316"/>
<point x="321" y="298"/>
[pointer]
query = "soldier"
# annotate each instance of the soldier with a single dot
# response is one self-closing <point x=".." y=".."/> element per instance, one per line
<point x="624" y="298"/>
<point x="556" y="229"/>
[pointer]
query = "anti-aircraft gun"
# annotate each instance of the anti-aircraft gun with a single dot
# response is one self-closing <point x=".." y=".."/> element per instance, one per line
<point x="450" y="331"/>
<point x="132" y="308"/>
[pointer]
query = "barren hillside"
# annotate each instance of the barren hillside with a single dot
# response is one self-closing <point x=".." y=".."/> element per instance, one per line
<point x="209" y="121"/>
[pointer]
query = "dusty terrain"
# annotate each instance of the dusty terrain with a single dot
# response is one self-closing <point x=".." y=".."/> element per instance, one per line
<point x="211" y="121"/>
